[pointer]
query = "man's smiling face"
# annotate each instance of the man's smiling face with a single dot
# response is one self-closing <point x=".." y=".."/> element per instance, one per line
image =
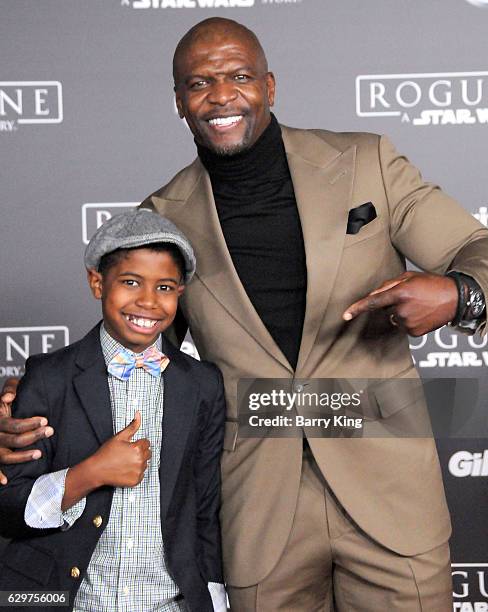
<point x="223" y="90"/>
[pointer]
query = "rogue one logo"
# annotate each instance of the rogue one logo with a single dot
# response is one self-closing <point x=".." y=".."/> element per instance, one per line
<point x="470" y="587"/>
<point x="29" y="102"/>
<point x="443" y="98"/>
<point x="93" y="215"/>
<point x="450" y="350"/>
<point x="18" y="343"/>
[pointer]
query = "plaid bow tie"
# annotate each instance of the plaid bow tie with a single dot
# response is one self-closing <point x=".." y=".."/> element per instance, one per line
<point x="152" y="360"/>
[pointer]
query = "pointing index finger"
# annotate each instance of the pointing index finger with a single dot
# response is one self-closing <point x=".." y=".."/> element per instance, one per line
<point x="373" y="301"/>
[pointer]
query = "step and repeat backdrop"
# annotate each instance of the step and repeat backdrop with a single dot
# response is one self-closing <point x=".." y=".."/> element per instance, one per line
<point x="88" y="127"/>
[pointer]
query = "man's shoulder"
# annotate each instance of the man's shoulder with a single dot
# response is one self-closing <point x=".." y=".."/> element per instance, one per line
<point x="338" y="140"/>
<point x="343" y="140"/>
<point x="179" y="188"/>
<point x="297" y="140"/>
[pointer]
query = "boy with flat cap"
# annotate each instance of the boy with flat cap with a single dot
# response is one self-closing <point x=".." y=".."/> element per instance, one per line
<point x="121" y="509"/>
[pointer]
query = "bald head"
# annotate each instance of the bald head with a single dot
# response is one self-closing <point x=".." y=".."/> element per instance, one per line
<point x="222" y="85"/>
<point x="212" y="31"/>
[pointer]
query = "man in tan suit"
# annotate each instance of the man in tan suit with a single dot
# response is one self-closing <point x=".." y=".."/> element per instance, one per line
<point x="361" y="523"/>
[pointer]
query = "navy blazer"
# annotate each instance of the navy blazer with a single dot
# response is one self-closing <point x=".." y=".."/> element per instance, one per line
<point x="70" y="388"/>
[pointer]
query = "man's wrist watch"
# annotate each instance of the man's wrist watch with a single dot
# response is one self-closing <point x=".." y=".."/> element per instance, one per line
<point x="471" y="302"/>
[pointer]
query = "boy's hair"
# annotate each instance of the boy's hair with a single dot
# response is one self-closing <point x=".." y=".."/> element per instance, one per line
<point x="111" y="259"/>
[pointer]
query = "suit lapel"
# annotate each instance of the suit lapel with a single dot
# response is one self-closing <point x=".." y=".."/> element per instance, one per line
<point x="199" y="221"/>
<point x="322" y="179"/>
<point x="181" y="394"/>
<point x="92" y="387"/>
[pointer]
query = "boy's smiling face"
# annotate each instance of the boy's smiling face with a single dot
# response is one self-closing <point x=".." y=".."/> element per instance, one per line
<point x="139" y="296"/>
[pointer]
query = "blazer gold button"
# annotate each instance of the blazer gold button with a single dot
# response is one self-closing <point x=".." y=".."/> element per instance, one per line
<point x="75" y="572"/>
<point x="97" y="521"/>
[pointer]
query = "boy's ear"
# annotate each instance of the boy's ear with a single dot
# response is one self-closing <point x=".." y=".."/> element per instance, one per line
<point x="96" y="283"/>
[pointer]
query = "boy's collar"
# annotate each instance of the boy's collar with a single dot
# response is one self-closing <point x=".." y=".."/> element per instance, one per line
<point x="90" y="352"/>
<point x="111" y="346"/>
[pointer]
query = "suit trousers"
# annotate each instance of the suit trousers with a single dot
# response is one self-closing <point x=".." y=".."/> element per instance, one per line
<point x="330" y="564"/>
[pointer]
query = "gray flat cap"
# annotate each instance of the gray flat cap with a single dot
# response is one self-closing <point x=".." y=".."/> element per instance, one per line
<point x="137" y="228"/>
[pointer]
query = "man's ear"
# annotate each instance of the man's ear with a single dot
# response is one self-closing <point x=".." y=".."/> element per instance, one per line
<point x="179" y="105"/>
<point x="95" y="280"/>
<point x="271" y="87"/>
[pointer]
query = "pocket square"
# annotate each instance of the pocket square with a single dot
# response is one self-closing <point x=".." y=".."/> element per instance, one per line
<point x="359" y="216"/>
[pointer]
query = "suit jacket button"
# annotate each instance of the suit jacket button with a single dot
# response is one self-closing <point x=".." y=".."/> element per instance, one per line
<point x="75" y="572"/>
<point x="97" y="521"/>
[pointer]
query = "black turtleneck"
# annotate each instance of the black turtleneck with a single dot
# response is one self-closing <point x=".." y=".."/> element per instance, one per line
<point x="256" y="205"/>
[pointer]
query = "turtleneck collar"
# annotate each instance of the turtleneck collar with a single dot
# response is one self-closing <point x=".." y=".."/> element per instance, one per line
<point x="266" y="157"/>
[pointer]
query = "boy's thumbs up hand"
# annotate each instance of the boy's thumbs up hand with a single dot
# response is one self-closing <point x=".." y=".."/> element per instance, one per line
<point x="120" y="462"/>
<point x="127" y="433"/>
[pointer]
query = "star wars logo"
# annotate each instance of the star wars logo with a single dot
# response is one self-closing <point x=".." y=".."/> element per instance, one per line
<point x="29" y="103"/>
<point x="189" y="4"/>
<point x="443" y="98"/>
<point x="470" y="584"/>
<point x="93" y="215"/>
<point x="451" y="350"/>
<point x="18" y="343"/>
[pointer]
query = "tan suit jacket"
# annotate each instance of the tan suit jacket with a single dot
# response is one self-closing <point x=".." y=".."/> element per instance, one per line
<point x="391" y="488"/>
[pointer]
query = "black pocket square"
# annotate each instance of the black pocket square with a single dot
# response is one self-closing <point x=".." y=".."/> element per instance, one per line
<point x="359" y="216"/>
